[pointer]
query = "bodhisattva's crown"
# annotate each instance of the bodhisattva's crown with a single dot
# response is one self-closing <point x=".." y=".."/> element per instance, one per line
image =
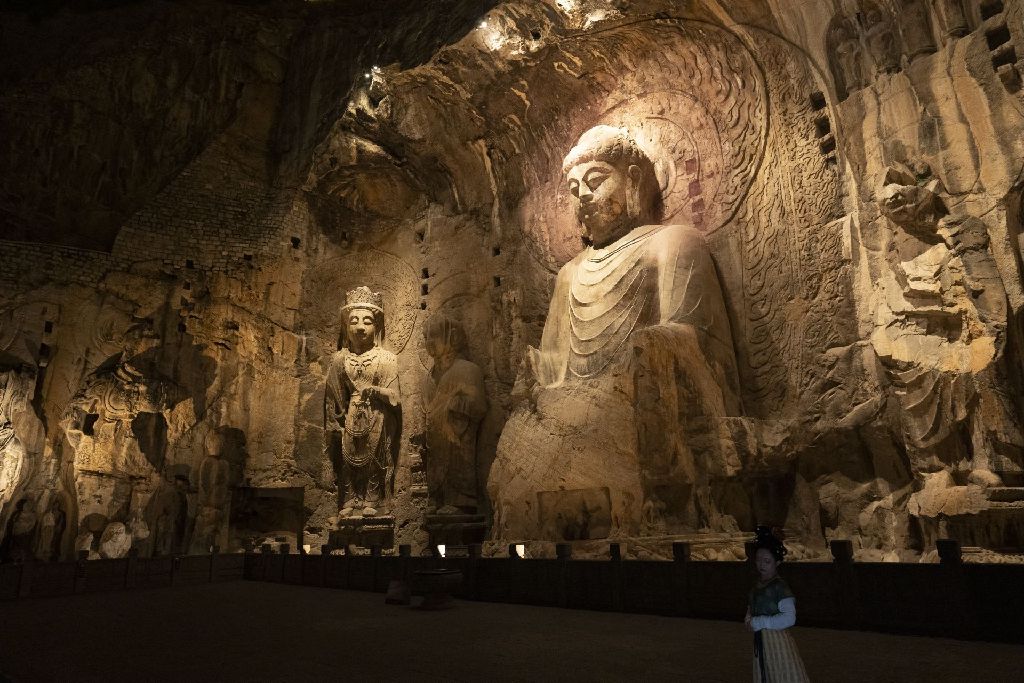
<point x="363" y="297"/>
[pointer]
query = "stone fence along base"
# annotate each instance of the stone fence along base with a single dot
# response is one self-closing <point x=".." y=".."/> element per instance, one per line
<point x="952" y="599"/>
<point x="46" y="579"/>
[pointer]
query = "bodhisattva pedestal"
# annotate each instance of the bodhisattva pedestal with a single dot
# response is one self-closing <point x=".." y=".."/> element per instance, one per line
<point x="364" y="532"/>
<point x="455" y="531"/>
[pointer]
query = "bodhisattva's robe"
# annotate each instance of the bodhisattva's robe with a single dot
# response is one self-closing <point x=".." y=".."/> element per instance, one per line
<point x="636" y="362"/>
<point x="456" y="402"/>
<point x="364" y="435"/>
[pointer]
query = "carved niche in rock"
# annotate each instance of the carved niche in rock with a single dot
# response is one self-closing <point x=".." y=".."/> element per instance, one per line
<point x="114" y="422"/>
<point x="881" y="38"/>
<point x="916" y="28"/>
<point x="634" y="371"/>
<point x="456" y="402"/>
<point x="52" y="525"/>
<point x="846" y="55"/>
<point x="952" y="19"/>
<point x="363" y="409"/>
<point x="865" y="44"/>
<point x="20" y="533"/>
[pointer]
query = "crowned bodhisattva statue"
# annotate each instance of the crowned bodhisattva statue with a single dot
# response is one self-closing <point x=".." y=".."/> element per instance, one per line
<point x="616" y="425"/>
<point x="363" y="409"/>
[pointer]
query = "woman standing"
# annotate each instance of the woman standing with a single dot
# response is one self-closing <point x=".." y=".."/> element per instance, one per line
<point x="770" y="611"/>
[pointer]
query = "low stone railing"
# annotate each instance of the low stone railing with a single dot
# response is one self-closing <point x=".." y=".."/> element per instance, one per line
<point x="950" y="598"/>
<point x="44" y="579"/>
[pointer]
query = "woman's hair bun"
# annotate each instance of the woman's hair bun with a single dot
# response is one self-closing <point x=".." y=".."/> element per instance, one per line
<point x="770" y="540"/>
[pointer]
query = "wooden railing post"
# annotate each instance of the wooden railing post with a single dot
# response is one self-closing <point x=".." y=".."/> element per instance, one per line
<point x="615" y="557"/>
<point x="214" y="553"/>
<point x="563" y="551"/>
<point x="845" y="582"/>
<point x="25" y="578"/>
<point x="680" y="577"/>
<point x="80" y="571"/>
<point x="957" y="590"/>
<point x="131" y="568"/>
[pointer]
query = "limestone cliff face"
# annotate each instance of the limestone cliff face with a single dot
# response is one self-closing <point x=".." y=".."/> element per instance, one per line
<point x="188" y="192"/>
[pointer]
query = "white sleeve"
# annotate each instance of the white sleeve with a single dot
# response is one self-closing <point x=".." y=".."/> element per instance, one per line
<point x="784" y="619"/>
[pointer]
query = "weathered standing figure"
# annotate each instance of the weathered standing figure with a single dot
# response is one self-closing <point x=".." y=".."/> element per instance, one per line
<point x="363" y="409"/>
<point x="214" y="475"/>
<point x="51" y="531"/>
<point x="456" y="403"/>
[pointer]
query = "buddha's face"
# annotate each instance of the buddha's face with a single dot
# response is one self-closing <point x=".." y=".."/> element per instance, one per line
<point x="362" y="327"/>
<point x="599" y="190"/>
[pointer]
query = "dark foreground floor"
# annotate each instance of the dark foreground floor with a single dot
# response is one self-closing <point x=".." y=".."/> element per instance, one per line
<point x="266" y="632"/>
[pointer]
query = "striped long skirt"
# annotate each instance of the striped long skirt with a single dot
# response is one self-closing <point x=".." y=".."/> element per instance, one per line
<point x="776" y="659"/>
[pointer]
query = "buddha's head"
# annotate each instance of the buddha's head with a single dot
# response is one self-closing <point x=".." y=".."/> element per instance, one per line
<point x="443" y="338"/>
<point x="613" y="184"/>
<point x="213" y="444"/>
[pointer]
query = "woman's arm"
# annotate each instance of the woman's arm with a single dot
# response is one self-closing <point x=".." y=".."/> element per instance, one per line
<point x="784" y="619"/>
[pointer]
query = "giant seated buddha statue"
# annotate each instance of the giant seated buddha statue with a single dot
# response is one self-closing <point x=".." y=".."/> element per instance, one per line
<point x="615" y="429"/>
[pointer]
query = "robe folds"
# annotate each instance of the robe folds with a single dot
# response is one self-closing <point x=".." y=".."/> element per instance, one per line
<point x="634" y="372"/>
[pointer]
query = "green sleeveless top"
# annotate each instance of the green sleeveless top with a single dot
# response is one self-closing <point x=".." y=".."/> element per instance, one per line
<point x="764" y="600"/>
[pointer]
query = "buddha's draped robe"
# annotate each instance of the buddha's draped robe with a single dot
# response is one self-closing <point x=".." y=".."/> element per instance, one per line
<point x="634" y="373"/>
<point x="655" y="275"/>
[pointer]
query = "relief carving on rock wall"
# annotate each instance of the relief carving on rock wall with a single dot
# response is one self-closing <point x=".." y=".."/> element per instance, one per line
<point x="940" y="331"/>
<point x="868" y="39"/>
<point x="116" y="426"/>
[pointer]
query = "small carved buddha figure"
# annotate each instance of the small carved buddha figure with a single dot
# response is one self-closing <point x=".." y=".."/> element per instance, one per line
<point x="881" y="39"/>
<point x="456" y="403"/>
<point x="363" y="411"/>
<point x="635" y="364"/>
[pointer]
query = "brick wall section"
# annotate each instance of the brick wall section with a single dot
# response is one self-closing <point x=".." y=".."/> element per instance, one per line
<point x="26" y="265"/>
<point x="214" y="214"/>
<point x="211" y="215"/>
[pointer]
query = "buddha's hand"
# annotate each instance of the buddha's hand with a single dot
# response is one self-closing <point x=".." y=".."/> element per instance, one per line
<point x="526" y="386"/>
<point x="535" y="364"/>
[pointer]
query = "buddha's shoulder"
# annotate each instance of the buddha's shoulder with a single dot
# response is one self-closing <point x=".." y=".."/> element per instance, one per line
<point x="566" y="271"/>
<point x="679" y="234"/>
